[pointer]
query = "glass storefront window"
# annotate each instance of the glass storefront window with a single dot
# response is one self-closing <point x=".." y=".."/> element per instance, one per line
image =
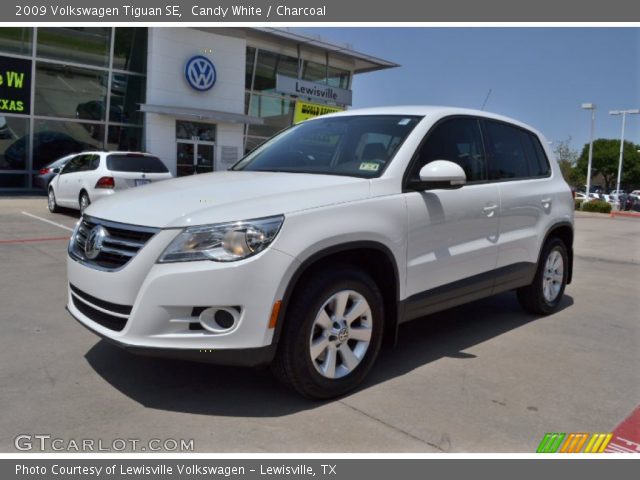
<point x="124" y="138"/>
<point x="72" y="92"/>
<point x="14" y="143"/>
<point x="16" y="40"/>
<point x="127" y="92"/>
<point x="205" y="132"/>
<point x="268" y="65"/>
<point x="338" y="77"/>
<point x="75" y="44"/>
<point x="277" y="113"/>
<point x="53" y="139"/>
<point x="314" y="72"/>
<point x="130" y="49"/>
<point x="252" y="143"/>
<point x="13" y="181"/>
<point x="250" y="60"/>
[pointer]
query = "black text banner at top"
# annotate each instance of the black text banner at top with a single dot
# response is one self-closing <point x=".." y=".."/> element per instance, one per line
<point x="316" y="11"/>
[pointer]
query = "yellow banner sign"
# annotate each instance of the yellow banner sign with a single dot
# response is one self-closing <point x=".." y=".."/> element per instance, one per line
<point x="305" y="111"/>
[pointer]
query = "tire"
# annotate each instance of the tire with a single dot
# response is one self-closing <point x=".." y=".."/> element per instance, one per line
<point x="51" y="201"/>
<point x="320" y="356"/>
<point x="543" y="296"/>
<point x="84" y="201"/>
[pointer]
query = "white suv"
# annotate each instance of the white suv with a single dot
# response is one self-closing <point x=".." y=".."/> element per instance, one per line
<point x="90" y="176"/>
<point x="319" y="243"/>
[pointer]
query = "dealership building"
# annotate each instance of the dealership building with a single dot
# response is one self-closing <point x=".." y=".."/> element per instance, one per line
<point x="198" y="98"/>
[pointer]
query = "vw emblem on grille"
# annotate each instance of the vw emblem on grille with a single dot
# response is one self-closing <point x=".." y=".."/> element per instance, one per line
<point x="200" y="73"/>
<point x="93" y="245"/>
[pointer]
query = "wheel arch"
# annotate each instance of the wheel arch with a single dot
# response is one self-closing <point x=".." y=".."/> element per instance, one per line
<point x="564" y="231"/>
<point x="374" y="258"/>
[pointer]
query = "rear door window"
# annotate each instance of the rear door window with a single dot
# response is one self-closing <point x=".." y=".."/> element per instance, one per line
<point x="135" y="163"/>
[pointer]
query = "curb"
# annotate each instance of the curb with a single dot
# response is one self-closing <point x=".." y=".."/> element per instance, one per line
<point x="625" y="214"/>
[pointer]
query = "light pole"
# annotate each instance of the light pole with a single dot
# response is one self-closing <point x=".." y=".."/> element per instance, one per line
<point x="592" y="107"/>
<point x="624" y="114"/>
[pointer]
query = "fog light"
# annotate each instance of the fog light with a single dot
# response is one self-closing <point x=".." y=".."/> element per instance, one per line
<point x="219" y="319"/>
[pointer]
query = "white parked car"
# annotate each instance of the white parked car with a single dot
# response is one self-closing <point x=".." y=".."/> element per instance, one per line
<point x="90" y="176"/>
<point x="319" y="243"/>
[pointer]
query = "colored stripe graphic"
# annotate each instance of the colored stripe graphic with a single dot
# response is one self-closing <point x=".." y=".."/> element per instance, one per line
<point x="598" y="443"/>
<point x="550" y="443"/>
<point x="574" y="442"/>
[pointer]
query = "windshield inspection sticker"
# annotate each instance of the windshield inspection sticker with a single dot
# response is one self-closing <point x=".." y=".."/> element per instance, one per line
<point x="369" y="166"/>
<point x="404" y="121"/>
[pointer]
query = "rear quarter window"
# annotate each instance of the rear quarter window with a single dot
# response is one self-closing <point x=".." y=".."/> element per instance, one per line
<point x="135" y="163"/>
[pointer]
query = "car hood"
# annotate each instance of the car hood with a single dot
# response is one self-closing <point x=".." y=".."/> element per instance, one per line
<point x="226" y="196"/>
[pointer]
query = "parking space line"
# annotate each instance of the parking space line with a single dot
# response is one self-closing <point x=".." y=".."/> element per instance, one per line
<point x="47" y="221"/>
<point x="29" y="240"/>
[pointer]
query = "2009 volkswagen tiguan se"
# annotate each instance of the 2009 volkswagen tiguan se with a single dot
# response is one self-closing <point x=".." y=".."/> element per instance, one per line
<point x="320" y="242"/>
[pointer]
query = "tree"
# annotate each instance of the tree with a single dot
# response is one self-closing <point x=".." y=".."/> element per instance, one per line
<point x="606" y="155"/>
<point x="567" y="158"/>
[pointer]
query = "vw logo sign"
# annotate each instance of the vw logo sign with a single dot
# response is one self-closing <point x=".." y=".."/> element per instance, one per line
<point x="93" y="245"/>
<point x="200" y="73"/>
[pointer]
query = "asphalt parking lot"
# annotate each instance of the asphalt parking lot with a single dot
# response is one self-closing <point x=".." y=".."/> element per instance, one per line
<point x="485" y="377"/>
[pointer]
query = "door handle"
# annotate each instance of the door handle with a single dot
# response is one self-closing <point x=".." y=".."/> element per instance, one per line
<point x="490" y="210"/>
<point x="546" y="202"/>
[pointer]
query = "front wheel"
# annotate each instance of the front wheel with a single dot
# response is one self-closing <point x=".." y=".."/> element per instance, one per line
<point x="332" y="333"/>
<point x="84" y="201"/>
<point x="544" y="294"/>
<point x="51" y="201"/>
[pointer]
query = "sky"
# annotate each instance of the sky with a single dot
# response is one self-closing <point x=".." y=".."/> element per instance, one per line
<point x="540" y="76"/>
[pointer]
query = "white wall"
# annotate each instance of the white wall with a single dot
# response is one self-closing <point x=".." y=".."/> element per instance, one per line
<point x="168" y="51"/>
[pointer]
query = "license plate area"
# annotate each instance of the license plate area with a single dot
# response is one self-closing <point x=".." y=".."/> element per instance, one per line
<point x="141" y="181"/>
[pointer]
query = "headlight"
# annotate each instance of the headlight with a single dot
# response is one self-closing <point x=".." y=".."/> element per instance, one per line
<point x="223" y="242"/>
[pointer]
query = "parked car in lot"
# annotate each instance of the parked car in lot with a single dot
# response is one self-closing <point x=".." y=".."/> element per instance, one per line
<point x="48" y="172"/>
<point x="90" y="176"/>
<point x="320" y="242"/>
<point x="48" y="146"/>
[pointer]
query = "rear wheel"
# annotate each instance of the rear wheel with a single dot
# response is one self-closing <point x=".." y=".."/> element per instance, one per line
<point x="51" y="201"/>
<point x="543" y="296"/>
<point x="84" y="201"/>
<point x="332" y="333"/>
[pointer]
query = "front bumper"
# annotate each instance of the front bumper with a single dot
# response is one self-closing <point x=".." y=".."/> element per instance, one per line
<point x="152" y="308"/>
<point x="247" y="357"/>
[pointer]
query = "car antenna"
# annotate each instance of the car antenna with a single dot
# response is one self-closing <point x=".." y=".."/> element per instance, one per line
<point x="486" y="99"/>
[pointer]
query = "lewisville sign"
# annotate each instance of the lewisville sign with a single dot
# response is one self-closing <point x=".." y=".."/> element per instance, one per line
<point x="15" y="85"/>
<point x="313" y="90"/>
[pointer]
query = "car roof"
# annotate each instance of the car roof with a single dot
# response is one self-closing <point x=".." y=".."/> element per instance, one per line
<point x="429" y="111"/>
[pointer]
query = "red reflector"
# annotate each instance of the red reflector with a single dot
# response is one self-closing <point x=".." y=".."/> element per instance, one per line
<point x="106" y="182"/>
<point x="44" y="170"/>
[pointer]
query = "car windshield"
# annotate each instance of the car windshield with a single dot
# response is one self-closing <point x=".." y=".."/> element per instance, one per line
<point x="359" y="146"/>
<point x="135" y="163"/>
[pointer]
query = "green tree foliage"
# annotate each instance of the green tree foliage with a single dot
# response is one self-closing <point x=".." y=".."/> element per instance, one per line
<point x="606" y="153"/>
<point x="567" y="158"/>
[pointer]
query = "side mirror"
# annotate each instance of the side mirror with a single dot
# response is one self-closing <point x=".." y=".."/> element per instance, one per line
<point x="56" y="170"/>
<point x="442" y="174"/>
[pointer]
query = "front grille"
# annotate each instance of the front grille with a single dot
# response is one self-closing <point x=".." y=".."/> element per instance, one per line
<point x="106" y="320"/>
<point x="119" y="246"/>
